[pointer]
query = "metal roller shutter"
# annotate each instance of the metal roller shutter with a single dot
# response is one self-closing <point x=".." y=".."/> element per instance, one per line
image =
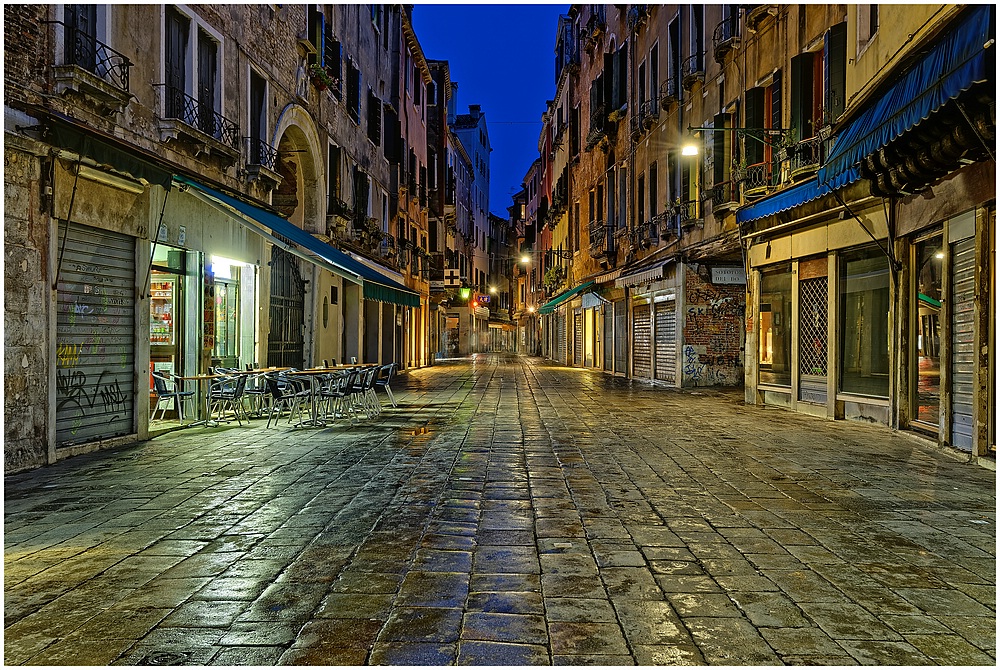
<point x="609" y="337"/>
<point x="963" y="354"/>
<point x="95" y="336"/>
<point x="578" y="339"/>
<point x="621" y="337"/>
<point x="641" y="349"/>
<point x="561" y="338"/>
<point x="666" y="341"/>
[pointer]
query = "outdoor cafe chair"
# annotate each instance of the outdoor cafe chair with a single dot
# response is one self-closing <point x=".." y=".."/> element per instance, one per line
<point x="383" y="378"/>
<point x="223" y="394"/>
<point x="167" y="391"/>
<point x="285" y="394"/>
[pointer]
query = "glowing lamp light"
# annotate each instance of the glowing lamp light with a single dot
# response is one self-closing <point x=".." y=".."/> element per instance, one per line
<point x="525" y="259"/>
<point x="474" y="304"/>
<point x="493" y="290"/>
<point x="464" y="293"/>
<point x="689" y="150"/>
<point x="939" y="255"/>
<point x="531" y="309"/>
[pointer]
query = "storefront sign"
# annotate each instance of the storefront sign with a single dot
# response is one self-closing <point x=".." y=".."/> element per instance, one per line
<point x="482" y="298"/>
<point x="729" y="276"/>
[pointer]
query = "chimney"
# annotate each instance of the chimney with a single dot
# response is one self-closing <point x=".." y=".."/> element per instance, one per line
<point x="475" y="111"/>
<point x="452" y="103"/>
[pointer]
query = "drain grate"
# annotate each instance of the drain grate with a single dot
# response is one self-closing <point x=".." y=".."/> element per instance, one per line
<point x="166" y="658"/>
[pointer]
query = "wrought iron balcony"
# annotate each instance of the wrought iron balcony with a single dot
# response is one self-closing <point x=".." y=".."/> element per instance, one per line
<point x="601" y="243"/>
<point x="758" y="180"/>
<point x="181" y="106"/>
<point x="726" y="37"/>
<point x="724" y="195"/>
<point x="85" y="51"/>
<point x="670" y="91"/>
<point x="805" y="158"/>
<point x="692" y="70"/>
<point x="688" y="213"/>
<point x="649" y="111"/>
<point x="261" y="153"/>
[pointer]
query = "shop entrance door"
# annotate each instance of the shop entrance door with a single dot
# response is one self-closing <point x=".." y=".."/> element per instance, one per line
<point x="285" y="343"/>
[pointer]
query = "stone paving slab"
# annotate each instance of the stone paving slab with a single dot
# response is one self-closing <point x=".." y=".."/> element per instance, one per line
<point x="508" y="512"/>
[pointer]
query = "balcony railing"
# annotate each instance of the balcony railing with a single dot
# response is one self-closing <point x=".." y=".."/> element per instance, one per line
<point x="180" y="105"/>
<point x="670" y="91"/>
<point x="724" y="195"/>
<point x="261" y="153"/>
<point x="692" y="70"/>
<point x="601" y="243"/>
<point x="688" y="212"/>
<point x="87" y="52"/>
<point x="649" y="111"/>
<point x="725" y="37"/>
<point x="805" y="158"/>
<point x="758" y="180"/>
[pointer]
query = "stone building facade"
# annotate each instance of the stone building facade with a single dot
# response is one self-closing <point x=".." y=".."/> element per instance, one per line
<point x="192" y="187"/>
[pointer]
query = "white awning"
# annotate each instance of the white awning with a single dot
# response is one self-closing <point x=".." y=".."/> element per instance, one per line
<point x="644" y="276"/>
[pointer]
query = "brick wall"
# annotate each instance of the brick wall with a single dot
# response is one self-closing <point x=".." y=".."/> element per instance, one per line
<point x="24" y="62"/>
<point x="713" y="332"/>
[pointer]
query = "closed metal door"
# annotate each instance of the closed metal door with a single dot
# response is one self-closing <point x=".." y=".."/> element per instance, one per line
<point x="641" y="348"/>
<point x="666" y="341"/>
<point x="95" y="335"/>
<point x="284" y="343"/>
<point x="963" y="353"/>
<point x="621" y="337"/>
<point x="578" y="339"/>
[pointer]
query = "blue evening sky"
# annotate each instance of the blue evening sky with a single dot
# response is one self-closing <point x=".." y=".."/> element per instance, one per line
<point x="503" y="58"/>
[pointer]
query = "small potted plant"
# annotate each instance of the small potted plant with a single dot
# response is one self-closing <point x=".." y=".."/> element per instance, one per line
<point x="321" y="79"/>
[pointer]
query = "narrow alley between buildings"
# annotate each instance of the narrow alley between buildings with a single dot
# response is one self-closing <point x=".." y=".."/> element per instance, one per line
<point x="508" y="512"/>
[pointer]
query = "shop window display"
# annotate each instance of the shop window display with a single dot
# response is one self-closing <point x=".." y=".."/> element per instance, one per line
<point x="774" y="337"/>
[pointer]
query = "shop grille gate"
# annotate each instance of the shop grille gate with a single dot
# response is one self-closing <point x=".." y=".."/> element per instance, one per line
<point x="95" y="336"/>
<point x="813" y="339"/>
<point x="285" y="343"/>
<point x="963" y="353"/>
<point x="641" y="350"/>
<point x="666" y="341"/>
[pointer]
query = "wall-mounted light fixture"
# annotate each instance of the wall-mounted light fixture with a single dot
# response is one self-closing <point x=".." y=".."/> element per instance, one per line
<point x="108" y="179"/>
<point x="768" y="136"/>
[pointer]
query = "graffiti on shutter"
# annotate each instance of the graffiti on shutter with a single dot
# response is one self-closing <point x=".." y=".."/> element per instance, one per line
<point x="641" y="327"/>
<point x="963" y="354"/>
<point x="95" y="336"/>
<point x="666" y="341"/>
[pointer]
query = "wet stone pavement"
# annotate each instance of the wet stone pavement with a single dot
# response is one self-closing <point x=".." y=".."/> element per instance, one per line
<point x="508" y="512"/>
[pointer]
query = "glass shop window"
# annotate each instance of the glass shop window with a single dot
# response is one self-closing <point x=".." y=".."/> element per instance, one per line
<point x="864" y="335"/>
<point x="774" y="358"/>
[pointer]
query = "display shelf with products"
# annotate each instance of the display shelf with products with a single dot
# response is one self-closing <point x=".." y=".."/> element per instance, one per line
<point x="162" y="298"/>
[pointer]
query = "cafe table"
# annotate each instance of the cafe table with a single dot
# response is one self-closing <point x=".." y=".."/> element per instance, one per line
<point x="200" y="379"/>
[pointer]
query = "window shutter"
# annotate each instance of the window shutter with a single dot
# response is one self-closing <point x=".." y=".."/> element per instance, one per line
<point x="721" y="149"/>
<point x="622" y="86"/>
<point x="801" y="102"/>
<point x="753" y="149"/>
<point x="609" y="82"/>
<point x="835" y="72"/>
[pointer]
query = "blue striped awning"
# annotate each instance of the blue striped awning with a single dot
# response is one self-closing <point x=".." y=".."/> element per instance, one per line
<point x="781" y="201"/>
<point x="551" y="305"/>
<point x="960" y="59"/>
<point x="375" y="285"/>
